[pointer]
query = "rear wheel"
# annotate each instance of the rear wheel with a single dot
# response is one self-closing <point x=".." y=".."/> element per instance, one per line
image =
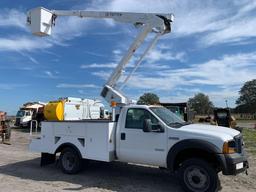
<point x="70" y="161"/>
<point x="197" y="175"/>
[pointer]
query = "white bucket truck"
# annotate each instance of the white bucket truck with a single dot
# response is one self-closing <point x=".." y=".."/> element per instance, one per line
<point x="140" y="134"/>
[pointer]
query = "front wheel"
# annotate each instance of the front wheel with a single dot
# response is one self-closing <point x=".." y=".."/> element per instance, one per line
<point x="197" y="175"/>
<point x="70" y="161"/>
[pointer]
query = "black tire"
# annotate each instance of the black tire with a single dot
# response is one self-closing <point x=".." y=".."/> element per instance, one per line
<point x="70" y="161"/>
<point x="8" y="133"/>
<point x="196" y="175"/>
<point x="28" y="125"/>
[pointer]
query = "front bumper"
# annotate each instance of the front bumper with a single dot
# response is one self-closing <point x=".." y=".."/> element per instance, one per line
<point x="21" y="124"/>
<point x="233" y="164"/>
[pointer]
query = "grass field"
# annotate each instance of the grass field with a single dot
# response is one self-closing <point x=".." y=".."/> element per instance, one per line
<point x="250" y="140"/>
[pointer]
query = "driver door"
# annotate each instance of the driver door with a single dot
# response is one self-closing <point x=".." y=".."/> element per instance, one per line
<point x="141" y="147"/>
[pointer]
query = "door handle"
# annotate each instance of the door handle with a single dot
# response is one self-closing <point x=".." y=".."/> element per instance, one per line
<point x="122" y="136"/>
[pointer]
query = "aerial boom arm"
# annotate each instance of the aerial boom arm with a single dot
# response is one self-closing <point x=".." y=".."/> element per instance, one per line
<point x="41" y="21"/>
<point x="126" y="58"/>
<point x="124" y="17"/>
<point x="151" y="45"/>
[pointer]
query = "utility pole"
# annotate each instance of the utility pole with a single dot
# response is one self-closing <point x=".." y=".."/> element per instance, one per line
<point x="226" y="103"/>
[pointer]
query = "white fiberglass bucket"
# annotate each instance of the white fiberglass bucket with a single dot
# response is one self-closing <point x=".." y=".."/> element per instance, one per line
<point x="40" y="21"/>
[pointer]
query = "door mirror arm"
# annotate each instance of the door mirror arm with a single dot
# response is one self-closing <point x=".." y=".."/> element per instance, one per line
<point x="159" y="129"/>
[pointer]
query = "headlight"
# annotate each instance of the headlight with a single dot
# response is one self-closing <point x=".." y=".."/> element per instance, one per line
<point x="229" y="147"/>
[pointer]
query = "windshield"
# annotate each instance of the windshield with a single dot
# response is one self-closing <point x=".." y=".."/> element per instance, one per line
<point x="222" y="115"/>
<point x="168" y="117"/>
<point x="20" y="113"/>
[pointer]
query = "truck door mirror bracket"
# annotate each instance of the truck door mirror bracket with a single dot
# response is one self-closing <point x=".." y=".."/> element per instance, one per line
<point x="158" y="128"/>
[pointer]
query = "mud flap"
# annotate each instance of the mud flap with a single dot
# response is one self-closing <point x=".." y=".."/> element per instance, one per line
<point x="47" y="159"/>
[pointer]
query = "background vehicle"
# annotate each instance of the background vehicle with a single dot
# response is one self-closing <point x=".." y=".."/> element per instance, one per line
<point x="180" y="109"/>
<point x="151" y="135"/>
<point x="28" y="112"/>
<point x="223" y="117"/>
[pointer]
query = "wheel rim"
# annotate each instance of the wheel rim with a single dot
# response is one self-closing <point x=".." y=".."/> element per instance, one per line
<point x="196" y="178"/>
<point x="68" y="161"/>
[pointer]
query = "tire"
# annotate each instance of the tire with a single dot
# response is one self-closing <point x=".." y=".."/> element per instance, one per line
<point x="70" y="161"/>
<point x="196" y="175"/>
<point x="8" y="132"/>
<point x="28" y="125"/>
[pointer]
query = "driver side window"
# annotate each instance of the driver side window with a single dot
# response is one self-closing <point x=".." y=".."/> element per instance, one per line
<point x="135" y="118"/>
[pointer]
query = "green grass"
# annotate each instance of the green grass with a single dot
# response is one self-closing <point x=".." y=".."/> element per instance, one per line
<point x="250" y="140"/>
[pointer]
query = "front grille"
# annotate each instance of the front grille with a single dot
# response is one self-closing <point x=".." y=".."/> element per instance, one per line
<point x="239" y="143"/>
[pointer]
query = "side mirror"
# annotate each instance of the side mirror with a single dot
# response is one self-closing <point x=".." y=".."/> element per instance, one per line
<point x="147" y="125"/>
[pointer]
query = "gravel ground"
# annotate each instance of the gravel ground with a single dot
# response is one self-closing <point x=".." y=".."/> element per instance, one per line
<point x="20" y="171"/>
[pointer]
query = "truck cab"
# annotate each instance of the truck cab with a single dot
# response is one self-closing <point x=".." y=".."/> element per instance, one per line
<point x="23" y="118"/>
<point x="148" y="134"/>
<point x="142" y="136"/>
<point x="154" y="135"/>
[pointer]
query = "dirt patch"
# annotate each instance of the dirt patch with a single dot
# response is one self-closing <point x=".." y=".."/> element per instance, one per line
<point x="20" y="171"/>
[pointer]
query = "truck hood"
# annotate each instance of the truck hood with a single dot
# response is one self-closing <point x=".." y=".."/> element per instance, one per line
<point x="210" y="131"/>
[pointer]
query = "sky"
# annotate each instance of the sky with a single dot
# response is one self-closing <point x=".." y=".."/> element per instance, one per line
<point x="211" y="49"/>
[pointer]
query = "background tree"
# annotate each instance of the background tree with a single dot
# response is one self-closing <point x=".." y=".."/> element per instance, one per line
<point x="247" y="100"/>
<point x="201" y="104"/>
<point x="148" y="99"/>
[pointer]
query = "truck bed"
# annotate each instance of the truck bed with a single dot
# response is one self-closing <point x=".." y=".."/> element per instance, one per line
<point x="95" y="139"/>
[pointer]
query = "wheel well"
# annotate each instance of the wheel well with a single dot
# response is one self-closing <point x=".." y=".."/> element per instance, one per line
<point x="68" y="145"/>
<point x="196" y="153"/>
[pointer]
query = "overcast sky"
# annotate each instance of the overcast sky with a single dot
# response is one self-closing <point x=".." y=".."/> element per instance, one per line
<point x="211" y="49"/>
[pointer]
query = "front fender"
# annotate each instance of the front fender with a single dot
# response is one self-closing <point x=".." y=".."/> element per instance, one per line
<point x="186" y="144"/>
